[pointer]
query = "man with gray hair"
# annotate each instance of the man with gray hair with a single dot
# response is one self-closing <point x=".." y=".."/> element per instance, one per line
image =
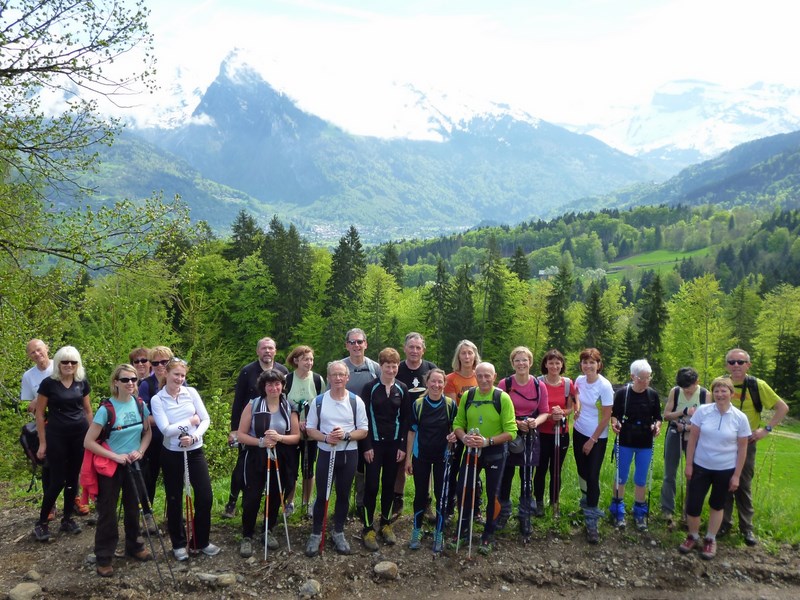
<point x="752" y="396"/>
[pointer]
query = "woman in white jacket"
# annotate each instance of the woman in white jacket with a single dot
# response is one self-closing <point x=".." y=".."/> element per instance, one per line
<point x="182" y="417"/>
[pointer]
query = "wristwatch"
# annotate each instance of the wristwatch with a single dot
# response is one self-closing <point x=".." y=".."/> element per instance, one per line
<point x="768" y="428"/>
<point x="346" y="437"/>
<point x="261" y="442"/>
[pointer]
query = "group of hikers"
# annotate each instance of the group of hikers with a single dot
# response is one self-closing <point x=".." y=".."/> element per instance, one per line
<point x="462" y="436"/>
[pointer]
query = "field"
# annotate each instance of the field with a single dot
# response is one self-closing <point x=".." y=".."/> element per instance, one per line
<point x="660" y="261"/>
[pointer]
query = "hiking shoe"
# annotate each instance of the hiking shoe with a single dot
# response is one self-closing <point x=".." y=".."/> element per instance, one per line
<point x="538" y="512"/>
<point x="709" y="550"/>
<point x="288" y="510"/>
<point x="230" y="510"/>
<point x="669" y="520"/>
<point x="211" y="550"/>
<point x="478" y="517"/>
<point x="485" y="548"/>
<point x="620" y="523"/>
<point x="180" y="554"/>
<point x="41" y="532"/>
<point x="501" y="521"/>
<point x="143" y="554"/>
<point x="387" y="533"/>
<point x="272" y="541"/>
<point x="689" y="544"/>
<point x="246" y="547"/>
<point x="105" y="570"/>
<point x="592" y="535"/>
<point x="81" y="509"/>
<point x="340" y="542"/>
<point x="438" y="542"/>
<point x="749" y="538"/>
<point x="371" y="541"/>
<point x="414" y="544"/>
<point x="150" y="523"/>
<point x="312" y="546"/>
<point x="70" y="526"/>
<point x="641" y="523"/>
<point x="724" y="530"/>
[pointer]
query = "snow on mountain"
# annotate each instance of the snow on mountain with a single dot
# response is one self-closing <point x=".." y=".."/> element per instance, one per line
<point x="702" y="119"/>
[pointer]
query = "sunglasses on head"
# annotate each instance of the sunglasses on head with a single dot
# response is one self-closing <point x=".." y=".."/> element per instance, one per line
<point x="69" y="362"/>
<point x="140" y="361"/>
<point x="126" y="379"/>
<point x="738" y="361"/>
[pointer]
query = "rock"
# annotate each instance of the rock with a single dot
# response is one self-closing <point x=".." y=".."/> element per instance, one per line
<point x="310" y="588"/>
<point x="386" y="570"/>
<point x="226" y="579"/>
<point x="32" y="575"/>
<point x="25" y="591"/>
<point x="209" y="578"/>
<point x="554" y="563"/>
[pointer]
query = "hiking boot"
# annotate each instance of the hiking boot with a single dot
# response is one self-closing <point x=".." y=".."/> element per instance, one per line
<point x="485" y="548"/>
<point x="387" y="533"/>
<point x="749" y="538"/>
<point x="340" y="542"/>
<point x="641" y="523"/>
<point x="312" y="546"/>
<point x="70" y="526"/>
<point x="150" y="523"/>
<point x="41" y="532"/>
<point x="81" y="509"/>
<point x="211" y="550"/>
<point x="105" y="570"/>
<point x="371" y="541"/>
<point x="592" y="535"/>
<point x="143" y="554"/>
<point x="180" y="554"/>
<point x="456" y="544"/>
<point x="709" y="550"/>
<point x="619" y="522"/>
<point x="724" y="530"/>
<point x="438" y="542"/>
<point x="416" y="535"/>
<point x="272" y="541"/>
<point x="689" y="544"/>
<point x="246" y="547"/>
<point x="230" y="510"/>
<point x="289" y="509"/>
<point x="669" y="520"/>
<point x="538" y="511"/>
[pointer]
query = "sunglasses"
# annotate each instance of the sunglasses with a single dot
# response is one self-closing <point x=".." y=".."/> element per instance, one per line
<point x="356" y="342"/>
<point x="160" y="363"/>
<point x="126" y="379"/>
<point x="69" y="362"/>
<point x="177" y="360"/>
<point x="140" y="361"/>
<point x="737" y="362"/>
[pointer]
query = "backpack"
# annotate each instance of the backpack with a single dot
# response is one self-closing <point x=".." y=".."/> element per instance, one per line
<point x="751" y="385"/>
<point x="703" y="391"/>
<point x="283" y="407"/>
<point x="450" y="407"/>
<point x="567" y="384"/>
<point x="112" y="419"/>
<point x="495" y="399"/>
<point x="353" y="405"/>
<point x="29" y="440"/>
<point x="510" y="380"/>
<point x="290" y="378"/>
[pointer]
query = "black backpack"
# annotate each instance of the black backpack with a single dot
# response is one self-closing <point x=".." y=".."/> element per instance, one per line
<point x="751" y="385"/>
<point x="112" y="419"/>
<point x="495" y="399"/>
<point x="29" y="440"/>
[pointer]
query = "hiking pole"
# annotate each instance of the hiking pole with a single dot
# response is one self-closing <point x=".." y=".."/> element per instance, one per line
<point x="144" y="508"/>
<point x="443" y="498"/>
<point x="331" y="465"/>
<point x="189" y="505"/>
<point x="682" y="482"/>
<point x="555" y="476"/>
<point x="266" y="505"/>
<point x="283" y="502"/>
<point x="652" y="462"/>
<point x="475" y="455"/>
<point x="467" y="460"/>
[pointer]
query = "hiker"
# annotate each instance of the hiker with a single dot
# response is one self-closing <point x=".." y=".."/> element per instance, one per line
<point x="636" y="420"/>
<point x="336" y="421"/>
<point x="682" y="402"/>
<point x="531" y="410"/>
<point x="430" y="433"/>
<point x="63" y="400"/>
<point x="595" y="397"/>
<point x="158" y="357"/>
<point x="384" y="447"/>
<point x="412" y="371"/>
<point x="362" y="370"/>
<point x="182" y="417"/>
<point x="302" y="386"/>
<point x="715" y="458"/>
<point x="552" y="453"/>
<point x="139" y="358"/>
<point x="246" y="390"/>
<point x="751" y="395"/>
<point x="484" y="423"/>
<point x="268" y="422"/>
<point x="465" y="358"/>
<point x="123" y="443"/>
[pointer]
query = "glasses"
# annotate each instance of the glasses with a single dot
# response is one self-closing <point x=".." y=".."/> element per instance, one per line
<point x="738" y="361"/>
<point x="160" y="363"/>
<point x="140" y="361"/>
<point x="356" y="342"/>
<point x="337" y="375"/>
<point x="175" y="359"/>
<point x="69" y="362"/>
<point x="126" y="379"/>
<point x="644" y="377"/>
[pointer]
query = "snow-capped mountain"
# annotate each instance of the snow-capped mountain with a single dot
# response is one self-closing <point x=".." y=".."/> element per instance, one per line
<point x="690" y="121"/>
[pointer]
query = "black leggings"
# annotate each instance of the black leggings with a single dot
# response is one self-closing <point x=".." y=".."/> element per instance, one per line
<point x="422" y="474"/>
<point x="493" y="464"/>
<point x="255" y="476"/>
<point x="344" y="470"/>
<point x="589" y="466"/>
<point x="64" y="457"/>
<point x="173" y="466"/>
<point x="547" y="463"/>
<point x="380" y="473"/>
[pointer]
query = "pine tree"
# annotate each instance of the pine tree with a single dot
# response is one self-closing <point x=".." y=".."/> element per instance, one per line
<point x="348" y="270"/>
<point x="459" y="317"/>
<point x="597" y="324"/>
<point x="653" y="318"/>
<point x="390" y="261"/>
<point x="437" y="299"/>
<point x="246" y="237"/>
<point x="519" y="265"/>
<point x="495" y="323"/>
<point x="557" y="303"/>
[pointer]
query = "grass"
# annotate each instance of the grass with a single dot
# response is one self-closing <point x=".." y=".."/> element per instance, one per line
<point x="660" y="261"/>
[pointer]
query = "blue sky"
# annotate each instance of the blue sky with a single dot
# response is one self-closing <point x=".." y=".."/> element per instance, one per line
<point x="567" y="61"/>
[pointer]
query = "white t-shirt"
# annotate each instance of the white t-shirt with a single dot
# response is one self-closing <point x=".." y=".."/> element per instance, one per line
<point x="337" y="413"/>
<point x="717" y="446"/>
<point x="593" y="396"/>
<point x="31" y="380"/>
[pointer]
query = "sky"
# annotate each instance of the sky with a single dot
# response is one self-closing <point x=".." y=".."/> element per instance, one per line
<point x="566" y="61"/>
